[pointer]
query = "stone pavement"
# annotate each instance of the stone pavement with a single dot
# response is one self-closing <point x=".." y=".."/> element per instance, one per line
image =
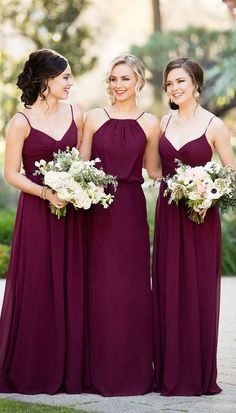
<point x="224" y="402"/>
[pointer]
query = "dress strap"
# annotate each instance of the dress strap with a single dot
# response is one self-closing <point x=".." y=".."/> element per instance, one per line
<point x="107" y="113"/>
<point x="26" y="118"/>
<point x="168" y="122"/>
<point x="72" y="113"/>
<point x="140" y="116"/>
<point x="209" y="122"/>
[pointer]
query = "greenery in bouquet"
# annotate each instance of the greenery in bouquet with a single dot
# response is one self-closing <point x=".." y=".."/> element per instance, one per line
<point x="76" y="181"/>
<point x="202" y="187"/>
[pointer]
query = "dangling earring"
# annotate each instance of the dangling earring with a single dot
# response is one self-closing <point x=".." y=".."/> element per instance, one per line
<point x="113" y="98"/>
<point x="137" y="93"/>
<point x="196" y="94"/>
<point x="137" y="89"/>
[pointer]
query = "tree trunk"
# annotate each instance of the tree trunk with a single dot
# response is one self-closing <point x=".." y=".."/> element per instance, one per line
<point x="156" y="15"/>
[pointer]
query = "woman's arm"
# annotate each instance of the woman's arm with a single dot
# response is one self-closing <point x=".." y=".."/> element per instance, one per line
<point x="220" y="138"/>
<point x="152" y="161"/>
<point x="93" y="121"/>
<point x="18" y="131"/>
<point x="79" y="119"/>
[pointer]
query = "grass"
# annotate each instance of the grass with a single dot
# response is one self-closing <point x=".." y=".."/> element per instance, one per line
<point x="10" y="406"/>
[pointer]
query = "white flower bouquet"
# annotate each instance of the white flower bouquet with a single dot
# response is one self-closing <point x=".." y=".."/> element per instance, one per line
<point x="76" y="181"/>
<point x="202" y="187"/>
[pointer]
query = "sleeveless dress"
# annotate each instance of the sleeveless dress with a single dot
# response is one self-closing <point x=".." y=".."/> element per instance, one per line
<point x="41" y="326"/>
<point x="186" y="285"/>
<point x="119" y="294"/>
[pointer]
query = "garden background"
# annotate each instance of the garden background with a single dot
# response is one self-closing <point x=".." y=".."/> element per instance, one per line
<point x="90" y="34"/>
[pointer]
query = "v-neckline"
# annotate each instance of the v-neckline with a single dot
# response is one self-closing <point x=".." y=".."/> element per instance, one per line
<point x="49" y="136"/>
<point x="187" y="143"/>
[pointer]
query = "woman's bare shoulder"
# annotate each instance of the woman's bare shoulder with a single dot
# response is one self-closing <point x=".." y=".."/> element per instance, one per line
<point x="165" y="120"/>
<point x="20" y="123"/>
<point x="150" y="118"/>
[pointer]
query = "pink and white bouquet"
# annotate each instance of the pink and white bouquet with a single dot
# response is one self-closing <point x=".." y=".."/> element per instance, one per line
<point x="202" y="187"/>
<point x="76" y="181"/>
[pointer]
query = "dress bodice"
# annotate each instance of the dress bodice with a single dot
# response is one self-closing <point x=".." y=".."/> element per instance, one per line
<point x="194" y="153"/>
<point x="120" y="145"/>
<point x="39" y="145"/>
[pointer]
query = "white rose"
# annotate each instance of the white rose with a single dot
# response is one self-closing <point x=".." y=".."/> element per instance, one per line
<point x="193" y="195"/>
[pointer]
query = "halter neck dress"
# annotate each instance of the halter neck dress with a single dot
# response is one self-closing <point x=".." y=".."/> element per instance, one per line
<point x="41" y="326"/>
<point x="186" y="285"/>
<point x="119" y="294"/>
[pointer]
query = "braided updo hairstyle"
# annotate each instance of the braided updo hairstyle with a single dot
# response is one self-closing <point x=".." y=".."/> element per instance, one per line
<point x="40" y="66"/>
<point x="193" y="69"/>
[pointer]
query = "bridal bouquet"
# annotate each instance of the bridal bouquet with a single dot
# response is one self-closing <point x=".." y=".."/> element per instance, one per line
<point x="202" y="187"/>
<point x="76" y="181"/>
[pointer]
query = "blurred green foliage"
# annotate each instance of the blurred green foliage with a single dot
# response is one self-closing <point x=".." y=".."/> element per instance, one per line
<point x="53" y="24"/>
<point x="8" y="194"/>
<point x="10" y="95"/>
<point x="4" y="259"/>
<point x="7" y="221"/>
<point x="229" y="243"/>
<point x="228" y="224"/>
<point x="214" y="50"/>
<point x="228" y="220"/>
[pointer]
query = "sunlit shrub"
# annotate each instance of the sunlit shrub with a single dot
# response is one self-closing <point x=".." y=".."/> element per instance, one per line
<point x="7" y="220"/>
<point x="4" y="259"/>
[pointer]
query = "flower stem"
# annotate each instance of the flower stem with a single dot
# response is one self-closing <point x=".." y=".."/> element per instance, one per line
<point x="59" y="212"/>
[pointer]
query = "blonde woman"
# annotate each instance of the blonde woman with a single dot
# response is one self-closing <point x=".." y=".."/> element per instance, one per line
<point x="119" y="295"/>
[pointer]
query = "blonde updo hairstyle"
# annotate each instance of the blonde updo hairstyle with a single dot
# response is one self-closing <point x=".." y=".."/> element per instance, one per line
<point x="134" y="63"/>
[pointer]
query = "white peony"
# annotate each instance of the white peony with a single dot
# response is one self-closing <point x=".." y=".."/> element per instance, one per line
<point x="194" y="195"/>
<point x="64" y="194"/>
<point x="82" y="201"/>
<point x="200" y="173"/>
<point x="206" y="203"/>
<point x="76" y="167"/>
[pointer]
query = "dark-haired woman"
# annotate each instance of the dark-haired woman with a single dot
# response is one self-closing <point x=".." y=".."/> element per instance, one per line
<point x="41" y="326"/>
<point x="186" y="255"/>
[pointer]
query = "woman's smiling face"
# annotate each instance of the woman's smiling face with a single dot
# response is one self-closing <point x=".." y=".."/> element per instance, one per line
<point x="122" y="82"/>
<point x="179" y="86"/>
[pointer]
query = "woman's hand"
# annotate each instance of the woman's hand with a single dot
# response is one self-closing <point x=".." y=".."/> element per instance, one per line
<point x="52" y="197"/>
<point x="203" y="212"/>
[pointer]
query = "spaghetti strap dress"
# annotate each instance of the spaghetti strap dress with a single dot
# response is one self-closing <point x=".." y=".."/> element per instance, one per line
<point x="186" y="285"/>
<point x="119" y="293"/>
<point x="42" y="319"/>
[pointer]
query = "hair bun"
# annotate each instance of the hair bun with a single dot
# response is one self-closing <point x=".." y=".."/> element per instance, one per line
<point x="40" y="65"/>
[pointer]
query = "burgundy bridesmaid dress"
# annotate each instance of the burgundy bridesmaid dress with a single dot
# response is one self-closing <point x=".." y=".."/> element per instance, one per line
<point x="41" y="326"/>
<point x="186" y="286"/>
<point x="119" y="294"/>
